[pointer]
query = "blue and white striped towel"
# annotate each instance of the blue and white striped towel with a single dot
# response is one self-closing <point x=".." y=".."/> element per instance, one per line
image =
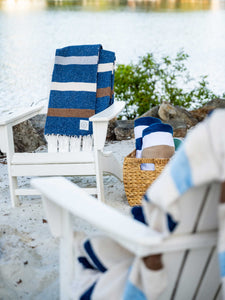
<point x="110" y="271"/>
<point x="82" y="84"/>
<point x="157" y="142"/>
<point x="200" y="160"/>
<point x="139" y="125"/>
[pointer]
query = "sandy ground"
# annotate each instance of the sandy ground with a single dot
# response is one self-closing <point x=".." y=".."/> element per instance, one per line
<point x="28" y="253"/>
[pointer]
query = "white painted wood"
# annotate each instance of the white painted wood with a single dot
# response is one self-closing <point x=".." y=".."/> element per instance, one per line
<point x="99" y="175"/>
<point x="99" y="133"/>
<point x="52" y="158"/>
<point x="67" y="260"/>
<point x="29" y="192"/>
<point x="22" y="115"/>
<point x="211" y="280"/>
<point x="197" y="260"/>
<point x="219" y="295"/>
<point x="53" y="169"/>
<point x="26" y="192"/>
<point x="100" y="122"/>
<point x="3" y="139"/>
<point x="192" y="199"/>
<point x="9" y="152"/>
<point x="192" y="272"/>
<point x="111" y="112"/>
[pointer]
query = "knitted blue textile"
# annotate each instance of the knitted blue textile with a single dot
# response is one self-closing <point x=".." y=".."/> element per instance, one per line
<point x="82" y="83"/>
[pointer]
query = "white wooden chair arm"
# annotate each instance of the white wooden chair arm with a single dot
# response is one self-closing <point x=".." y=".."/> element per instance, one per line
<point x="108" y="113"/>
<point x="133" y="235"/>
<point x="122" y="228"/>
<point x="22" y="115"/>
<point x="100" y="123"/>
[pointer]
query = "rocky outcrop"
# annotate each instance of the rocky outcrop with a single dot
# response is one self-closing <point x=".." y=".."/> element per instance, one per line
<point x="203" y="111"/>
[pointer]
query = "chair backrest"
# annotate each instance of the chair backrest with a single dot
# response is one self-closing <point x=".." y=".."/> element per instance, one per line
<point x="194" y="273"/>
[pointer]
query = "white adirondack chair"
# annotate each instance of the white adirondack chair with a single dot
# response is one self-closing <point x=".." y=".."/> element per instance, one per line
<point x="85" y="157"/>
<point x="189" y="255"/>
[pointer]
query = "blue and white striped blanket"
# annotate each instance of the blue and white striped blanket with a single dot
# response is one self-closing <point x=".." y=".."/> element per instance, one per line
<point x="110" y="271"/>
<point x="82" y="85"/>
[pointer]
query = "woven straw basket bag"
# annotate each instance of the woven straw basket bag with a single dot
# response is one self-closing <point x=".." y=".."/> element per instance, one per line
<point x="137" y="181"/>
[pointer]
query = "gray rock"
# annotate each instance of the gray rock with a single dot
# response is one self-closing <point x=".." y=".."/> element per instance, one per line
<point x="38" y="122"/>
<point x="169" y="113"/>
<point x="26" y="138"/>
<point x="124" y="130"/>
<point x="153" y="112"/>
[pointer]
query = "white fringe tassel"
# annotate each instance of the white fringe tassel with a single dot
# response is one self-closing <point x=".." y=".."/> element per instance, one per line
<point x="87" y="143"/>
<point x="52" y="142"/>
<point x="62" y="143"/>
<point x="75" y="143"/>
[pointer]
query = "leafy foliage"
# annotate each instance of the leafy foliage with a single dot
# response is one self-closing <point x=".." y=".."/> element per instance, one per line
<point x="150" y="82"/>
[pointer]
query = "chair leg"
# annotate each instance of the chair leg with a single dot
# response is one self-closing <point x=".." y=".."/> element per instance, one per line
<point x="12" y="187"/>
<point x="67" y="259"/>
<point x="99" y="176"/>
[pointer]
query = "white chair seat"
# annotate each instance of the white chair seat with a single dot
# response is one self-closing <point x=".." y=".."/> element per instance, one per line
<point x="52" y="158"/>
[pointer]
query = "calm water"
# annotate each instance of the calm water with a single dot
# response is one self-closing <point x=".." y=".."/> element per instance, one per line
<point x="30" y="31"/>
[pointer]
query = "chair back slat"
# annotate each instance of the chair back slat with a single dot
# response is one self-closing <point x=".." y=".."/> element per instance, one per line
<point x="188" y="269"/>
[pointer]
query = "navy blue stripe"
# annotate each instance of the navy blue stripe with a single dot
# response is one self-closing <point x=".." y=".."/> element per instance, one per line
<point x="171" y="223"/>
<point x="138" y="214"/>
<point x="146" y="121"/>
<point x="158" y="127"/>
<point x="104" y="79"/>
<point x="88" y="293"/>
<point x="80" y="50"/>
<point x="138" y="143"/>
<point x="94" y="258"/>
<point x="75" y="73"/>
<point x="106" y="56"/>
<point x="102" y="103"/>
<point x="70" y="99"/>
<point x="66" y="126"/>
<point x="85" y="263"/>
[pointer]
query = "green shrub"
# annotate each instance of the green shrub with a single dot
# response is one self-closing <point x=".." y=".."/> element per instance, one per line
<point x="150" y="82"/>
